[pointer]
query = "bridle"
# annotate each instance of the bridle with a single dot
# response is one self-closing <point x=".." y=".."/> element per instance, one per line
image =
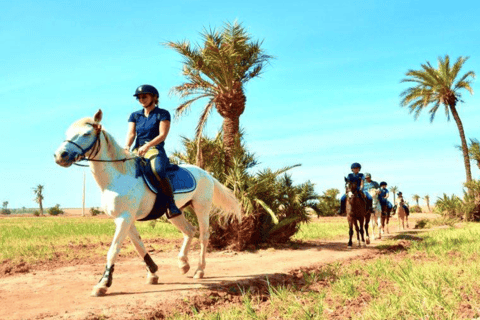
<point x="96" y="148"/>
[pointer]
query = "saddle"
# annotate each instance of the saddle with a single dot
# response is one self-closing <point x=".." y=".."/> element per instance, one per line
<point x="181" y="179"/>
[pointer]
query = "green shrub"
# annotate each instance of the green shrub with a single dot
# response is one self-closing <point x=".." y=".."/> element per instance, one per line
<point x="36" y="213"/>
<point x="95" y="211"/>
<point x="415" y="209"/>
<point x="6" y="211"/>
<point x="55" y="211"/>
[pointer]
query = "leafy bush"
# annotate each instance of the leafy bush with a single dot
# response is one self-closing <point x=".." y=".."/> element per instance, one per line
<point x="6" y="211"/>
<point x="415" y="209"/>
<point x="328" y="204"/>
<point x="95" y="211"/>
<point x="273" y="206"/>
<point x="55" y="211"/>
<point x="36" y="213"/>
<point x="449" y="206"/>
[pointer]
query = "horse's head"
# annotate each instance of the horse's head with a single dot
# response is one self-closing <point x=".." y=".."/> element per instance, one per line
<point x="350" y="188"/>
<point x="80" y="140"/>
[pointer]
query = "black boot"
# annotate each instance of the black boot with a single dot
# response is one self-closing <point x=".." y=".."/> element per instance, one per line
<point x="167" y="190"/>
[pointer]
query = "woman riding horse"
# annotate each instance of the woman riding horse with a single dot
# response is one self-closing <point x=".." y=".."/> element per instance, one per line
<point x="150" y="127"/>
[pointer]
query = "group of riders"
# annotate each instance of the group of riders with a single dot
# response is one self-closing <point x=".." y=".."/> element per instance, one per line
<point x="364" y="184"/>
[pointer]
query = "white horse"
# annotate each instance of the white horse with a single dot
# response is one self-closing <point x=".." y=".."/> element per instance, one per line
<point x="127" y="198"/>
<point x="376" y="216"/>
<point x="401" y="213"/>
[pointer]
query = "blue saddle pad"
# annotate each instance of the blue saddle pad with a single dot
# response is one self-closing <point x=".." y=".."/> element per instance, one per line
<point x="182" y="180"/>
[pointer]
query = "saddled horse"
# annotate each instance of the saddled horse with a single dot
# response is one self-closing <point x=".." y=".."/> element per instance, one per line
<point x="376" y="215"/>
<point x="385" y="218"/>
<point x="356" y="213"/>
<point x="401" y="213"/>
<point x="126" y="197"/>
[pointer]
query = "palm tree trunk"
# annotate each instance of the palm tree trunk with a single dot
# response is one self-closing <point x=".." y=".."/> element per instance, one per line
<point x="199" y="158"/>
<point x="231" y="128"/>
<point x="41" y="207"/>
<point x="466" y="158"/>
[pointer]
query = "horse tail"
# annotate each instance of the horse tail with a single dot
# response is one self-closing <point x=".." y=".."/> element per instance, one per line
<point x="225" y="199"/>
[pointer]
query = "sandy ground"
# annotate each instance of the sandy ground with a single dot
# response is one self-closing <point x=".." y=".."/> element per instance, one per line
<point x="64" y="292"/>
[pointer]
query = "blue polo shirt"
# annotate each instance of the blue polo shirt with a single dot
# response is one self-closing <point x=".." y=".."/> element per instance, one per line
<point x="356" y="178"/>
<point x="370" y="185"/>
<point x="148" y="128"/>
<point x="381" y="196"/>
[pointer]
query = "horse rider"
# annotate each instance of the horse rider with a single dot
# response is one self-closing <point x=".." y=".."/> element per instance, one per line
<point x="149" y="128"/>
<point x="367" y="185"/>
<point x="383" y="198"/>
<point x="359" y="179"/>
<point x="403" y="203"/>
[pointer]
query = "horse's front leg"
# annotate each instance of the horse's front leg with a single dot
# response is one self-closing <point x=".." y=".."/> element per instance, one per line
<point x="379" y="226"/>
<point x="188" y="232"/>
<point x="152" y="268"/>
<point x="362" y="235"/>
<point x="367" y="239"/>
<point x="350" y="234"/>
<point x="123" y="223"/>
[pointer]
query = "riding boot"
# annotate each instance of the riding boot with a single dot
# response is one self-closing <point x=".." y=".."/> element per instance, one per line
<point x="172" y="210"/>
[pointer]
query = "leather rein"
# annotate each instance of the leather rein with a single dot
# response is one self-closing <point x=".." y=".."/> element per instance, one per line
<point x="96" y="148"/>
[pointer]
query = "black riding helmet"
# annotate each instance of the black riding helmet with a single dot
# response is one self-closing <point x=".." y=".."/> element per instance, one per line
<point x="146" y="88"/>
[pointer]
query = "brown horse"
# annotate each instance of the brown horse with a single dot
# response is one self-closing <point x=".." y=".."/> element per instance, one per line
<point x="356" y="213"/>
<point x="401" y="213"/>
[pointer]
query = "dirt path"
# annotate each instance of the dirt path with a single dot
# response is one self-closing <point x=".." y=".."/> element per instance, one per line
<point x="64" y="293"/>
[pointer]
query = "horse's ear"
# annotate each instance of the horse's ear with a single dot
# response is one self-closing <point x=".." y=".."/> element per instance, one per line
<point x="98" y="116"/>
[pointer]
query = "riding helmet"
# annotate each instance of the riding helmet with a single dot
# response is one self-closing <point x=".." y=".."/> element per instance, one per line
<point x="383" y="183"/>
<point x="356" y="165"/>
<point x="368" y="175"/>
<point x="399" y="194"/>
<point x="146" y="88"/>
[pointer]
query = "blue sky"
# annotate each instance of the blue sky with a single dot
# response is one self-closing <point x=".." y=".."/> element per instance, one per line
<point x="329" y="98"/>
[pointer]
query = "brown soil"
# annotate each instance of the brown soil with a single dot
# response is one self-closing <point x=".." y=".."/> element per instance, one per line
<point x="61" y="290"/>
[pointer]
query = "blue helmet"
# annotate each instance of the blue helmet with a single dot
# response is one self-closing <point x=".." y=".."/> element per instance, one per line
<point x="399" y="193"/>
<point x="146" y="88"/>
<point x="356" y="165"/>
<point x="383" y="183"/>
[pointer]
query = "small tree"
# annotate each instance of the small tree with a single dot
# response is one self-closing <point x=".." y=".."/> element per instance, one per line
<point x="427" y="201"/>
<point x="38" y="191"/>
<point x="55" y="211"/>
<point x="415" y="198"/>
<point x="5" y="209"/>
<point x="328" y="203"/>
<point x="393" y="190"/>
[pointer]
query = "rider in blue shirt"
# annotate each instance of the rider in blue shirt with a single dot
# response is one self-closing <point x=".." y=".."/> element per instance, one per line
<point x="382" y="197"/>
<point x="359" y="178"/>
<point x="149" y="128"/>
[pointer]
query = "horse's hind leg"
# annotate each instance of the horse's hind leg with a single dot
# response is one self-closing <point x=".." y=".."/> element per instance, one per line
<point x="202" y="211"/>
<point x="188" y="232"/>
<point x="367" y="221"/>
<point x="152" y="268"/>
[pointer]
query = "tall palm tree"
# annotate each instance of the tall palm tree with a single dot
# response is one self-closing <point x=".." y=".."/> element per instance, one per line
<point x="415" y="198"/>
<point x="218" y="71"/>
<point x="474" y="151"/>
<point x="436" y="87"/>
<point x="427" y="200"/>
<point x="38" y="191"/>
<point x="394" y="190"/>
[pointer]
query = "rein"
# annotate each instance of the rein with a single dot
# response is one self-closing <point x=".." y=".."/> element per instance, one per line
<point x="96" y="146"/>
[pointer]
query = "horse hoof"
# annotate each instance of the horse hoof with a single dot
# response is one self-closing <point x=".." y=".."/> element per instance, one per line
<point x="99" y="291"/>
<point x="199" y="274"/>
<point x="185" y="268"/>
<point x="364" y="245"/>
<point x="349" y="247"/>
<point x="152" y="279"/>
<point x="368" y="241"/>
<point x="379" y="236"/>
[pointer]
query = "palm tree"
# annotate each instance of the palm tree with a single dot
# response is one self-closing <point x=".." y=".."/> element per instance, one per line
<point x="394" y="190"/>
<point x="415" y="198"/>
<point x="427" y="200"/>
<point x="218" y="71"/>
<point x="474" y="151"/>
<point x="38" y="191"/>
<point x="438" y="87"/>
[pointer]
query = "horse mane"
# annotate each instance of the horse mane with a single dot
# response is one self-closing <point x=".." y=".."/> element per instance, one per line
<point x="114" y="151"/>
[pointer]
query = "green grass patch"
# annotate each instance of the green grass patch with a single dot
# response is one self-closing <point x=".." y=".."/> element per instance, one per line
<point x="42" y="238"/>
<point x="436" y="277"/>
<point x="323" y="229"/>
